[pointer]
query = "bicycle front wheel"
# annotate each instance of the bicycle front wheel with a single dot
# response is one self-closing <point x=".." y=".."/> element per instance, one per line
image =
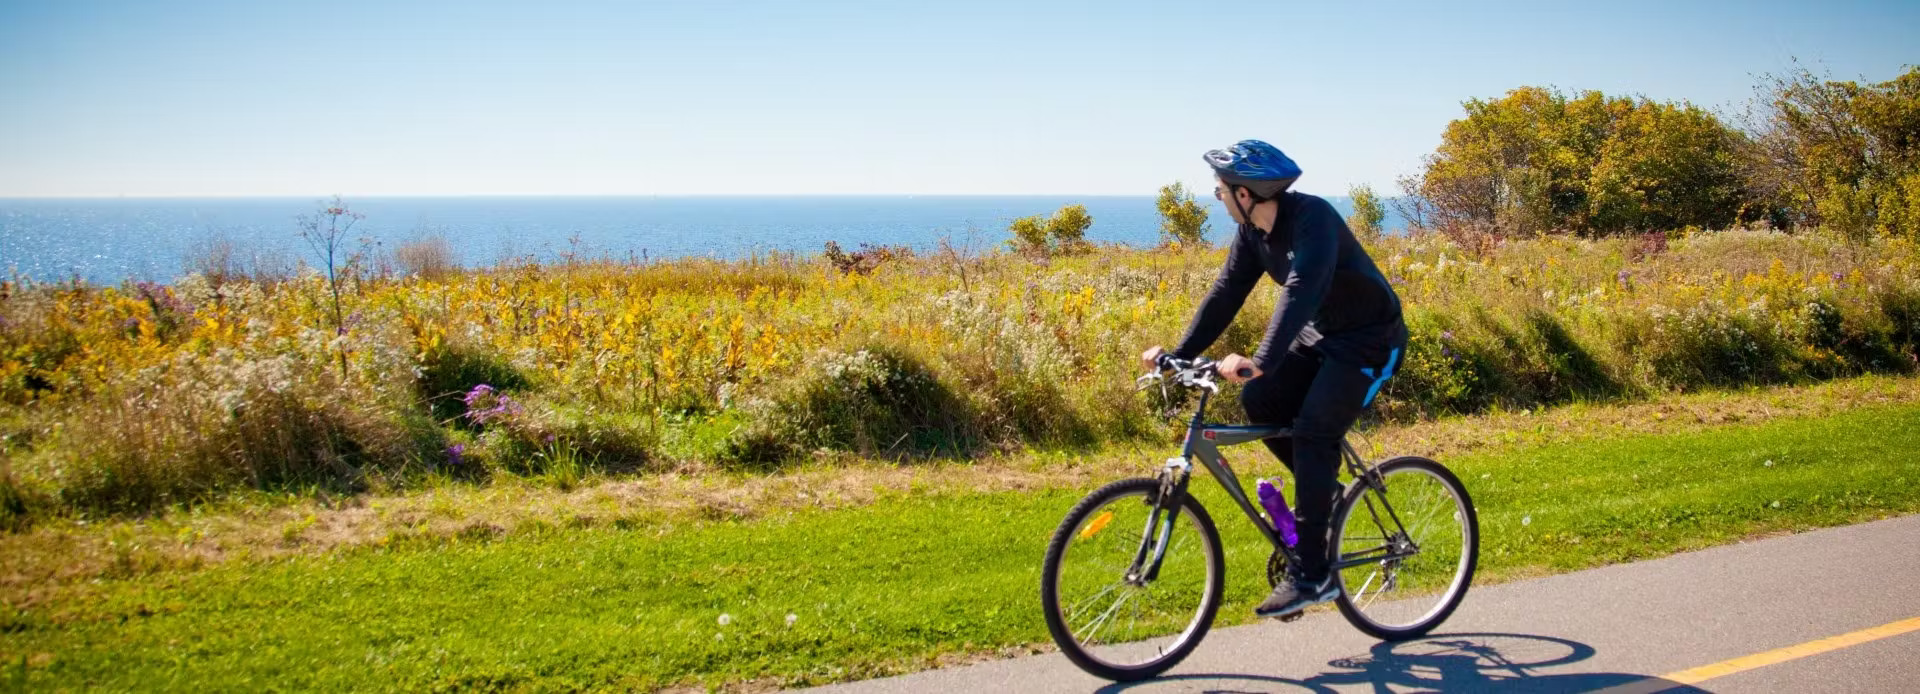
<point x="1110" y="616"/>
<point x="1406" y="551"/>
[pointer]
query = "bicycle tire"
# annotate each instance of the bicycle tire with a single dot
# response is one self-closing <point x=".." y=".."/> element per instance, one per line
<point x="1464" y="569"/>
<point x="1187" y="639"/>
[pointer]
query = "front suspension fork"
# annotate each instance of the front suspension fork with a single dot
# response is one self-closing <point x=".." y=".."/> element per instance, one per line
<point x="1159" y="531"/>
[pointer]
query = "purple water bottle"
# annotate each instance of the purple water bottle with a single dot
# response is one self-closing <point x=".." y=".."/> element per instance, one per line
<point x="1277" y="510"/>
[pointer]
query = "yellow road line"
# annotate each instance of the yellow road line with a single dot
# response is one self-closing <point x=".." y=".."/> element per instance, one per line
<point x="1781" y="655"/>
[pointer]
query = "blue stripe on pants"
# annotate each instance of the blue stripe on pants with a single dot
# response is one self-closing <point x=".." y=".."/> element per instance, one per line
<point x="1385" y="373"/>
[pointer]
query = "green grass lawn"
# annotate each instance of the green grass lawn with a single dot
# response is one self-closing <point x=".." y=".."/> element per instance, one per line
<point x="815" y="596"/>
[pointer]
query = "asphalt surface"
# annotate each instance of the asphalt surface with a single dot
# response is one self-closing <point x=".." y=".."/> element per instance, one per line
<point x="1617" y="628"/>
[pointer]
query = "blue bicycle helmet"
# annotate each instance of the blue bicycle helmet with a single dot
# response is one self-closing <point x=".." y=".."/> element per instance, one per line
<point x="1257" y="166"/>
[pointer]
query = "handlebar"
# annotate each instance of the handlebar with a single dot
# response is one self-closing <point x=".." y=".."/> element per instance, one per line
<point x="1193" y="373"/>
<point x="1168" y="362"/>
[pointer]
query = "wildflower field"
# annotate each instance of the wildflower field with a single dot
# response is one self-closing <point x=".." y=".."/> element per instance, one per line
<point x="131" y="399"/>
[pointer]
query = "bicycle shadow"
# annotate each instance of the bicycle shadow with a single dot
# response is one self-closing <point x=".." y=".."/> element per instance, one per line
<point x="1470" y="662"/>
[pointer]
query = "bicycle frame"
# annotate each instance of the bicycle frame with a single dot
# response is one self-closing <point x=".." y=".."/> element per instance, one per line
<point x="1203" y="442"/>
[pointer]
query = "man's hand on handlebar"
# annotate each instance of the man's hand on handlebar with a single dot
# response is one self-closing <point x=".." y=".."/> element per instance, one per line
<point x="1151" y="357"/>
<point x="1237" y="368"/>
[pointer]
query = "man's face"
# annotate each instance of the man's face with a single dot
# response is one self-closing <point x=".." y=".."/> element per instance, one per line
<point x="1226" y="195"/>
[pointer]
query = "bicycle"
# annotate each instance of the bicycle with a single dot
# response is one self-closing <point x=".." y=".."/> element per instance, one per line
<point x="1100" y="578"/>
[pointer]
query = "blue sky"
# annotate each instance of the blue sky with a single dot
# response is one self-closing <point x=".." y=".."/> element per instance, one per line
<point x="978" y="97"/>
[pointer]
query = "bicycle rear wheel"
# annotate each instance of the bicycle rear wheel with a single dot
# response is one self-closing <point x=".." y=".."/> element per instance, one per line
<point x="1421" y="527"/>
<point x="1115" y="624"/>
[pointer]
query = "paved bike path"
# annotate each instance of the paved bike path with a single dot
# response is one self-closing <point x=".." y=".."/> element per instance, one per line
<point x="1618" y="628"/>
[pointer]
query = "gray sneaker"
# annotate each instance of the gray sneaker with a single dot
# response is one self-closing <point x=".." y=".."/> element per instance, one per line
<point x="1296" y="595"/>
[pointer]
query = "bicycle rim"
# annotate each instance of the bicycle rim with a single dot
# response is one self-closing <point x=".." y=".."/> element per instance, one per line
<point x="1434" y="539"/>
<point x="1128" y="624"/>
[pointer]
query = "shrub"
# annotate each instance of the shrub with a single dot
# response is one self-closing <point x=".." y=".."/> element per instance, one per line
<point x="877" y="401"/>
<point x="560" y="442"/>
<point x="865" y="260"/>
<point x="1183" y="222"/>
<point x="448" y="372"/>
<point x="1064" y="232"/>
<point x="1030" y="235"/>
<point x="1368" y="213"/>
<point x="428" y="257"/>
<point x="1068" y="229"/>
<point x="187" y="433"/>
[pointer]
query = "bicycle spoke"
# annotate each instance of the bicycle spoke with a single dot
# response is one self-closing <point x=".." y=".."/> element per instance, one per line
<point x="1384" y="582"/>
<point x="1101" y="615"/>
<point x="1406" y="550"/>
<point x="1125" y="600"/>
<point x="1133" y="622"/>
<point x="1097" y="624"/>
<point x="1080" y="608"/>
<point x="1428" y="518"/>
<point x="1369" y="582"/>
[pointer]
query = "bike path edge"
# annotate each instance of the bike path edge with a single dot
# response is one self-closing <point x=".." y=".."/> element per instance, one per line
<point x="1615" y="628"/>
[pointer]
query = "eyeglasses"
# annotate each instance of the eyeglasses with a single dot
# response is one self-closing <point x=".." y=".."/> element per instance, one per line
<point x="1219" y="193"/>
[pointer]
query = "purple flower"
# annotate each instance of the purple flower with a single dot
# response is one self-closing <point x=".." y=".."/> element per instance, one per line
<point x="1622" y="277"/>
<point x="485" y="404"/>
<point x="456" y="454"/>
<point x="1838" y="277"/>
<point x="1399" y="280"/>
<point x="478" y="393"/>
<point x="161" y="299"/>
<point x="1446" y="335"/>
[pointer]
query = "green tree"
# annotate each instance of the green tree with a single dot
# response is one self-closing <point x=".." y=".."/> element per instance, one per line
<point x="1368" y="212"/>
<point x="1064" y="232"/>
<point x="1183" y="222"/>
<point x="1536" y="161"/>
<point x="1068" y="228"/>
<point x="1665" y="167"/>
<point x="1030" y="235"/>
<point x="1490" y="168"/>
<point x="1839" y="154"/>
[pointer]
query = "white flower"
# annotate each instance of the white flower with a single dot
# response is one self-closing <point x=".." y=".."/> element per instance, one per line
<point x="791" y="618"/>
<point x="1528" y="519"/>
<point x="725" y="619"/>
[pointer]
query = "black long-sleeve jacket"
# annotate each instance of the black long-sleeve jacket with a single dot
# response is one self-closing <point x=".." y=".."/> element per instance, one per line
<point x="1335" y="298"/>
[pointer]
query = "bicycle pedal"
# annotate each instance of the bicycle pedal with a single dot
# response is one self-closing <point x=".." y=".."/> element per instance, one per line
<point x="1292" y="616"/>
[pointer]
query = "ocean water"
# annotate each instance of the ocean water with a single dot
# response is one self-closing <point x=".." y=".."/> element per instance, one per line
<point x="106" y="240"/>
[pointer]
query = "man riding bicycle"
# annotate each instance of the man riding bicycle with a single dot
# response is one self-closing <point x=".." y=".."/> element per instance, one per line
<point x="1334" y="339"/>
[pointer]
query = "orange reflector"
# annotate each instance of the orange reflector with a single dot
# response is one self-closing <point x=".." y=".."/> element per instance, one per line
<point x="1099" y="523"/>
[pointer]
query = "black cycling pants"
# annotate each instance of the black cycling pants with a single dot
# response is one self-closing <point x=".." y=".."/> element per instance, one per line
<point x="1319" y="398"/>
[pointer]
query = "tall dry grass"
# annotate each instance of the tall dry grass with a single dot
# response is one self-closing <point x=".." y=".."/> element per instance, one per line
<point x="125" y="398"/>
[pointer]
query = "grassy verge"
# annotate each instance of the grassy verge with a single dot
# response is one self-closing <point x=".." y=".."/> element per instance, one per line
<point x="905" y="582"/>
<point x="261" y="526"/>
